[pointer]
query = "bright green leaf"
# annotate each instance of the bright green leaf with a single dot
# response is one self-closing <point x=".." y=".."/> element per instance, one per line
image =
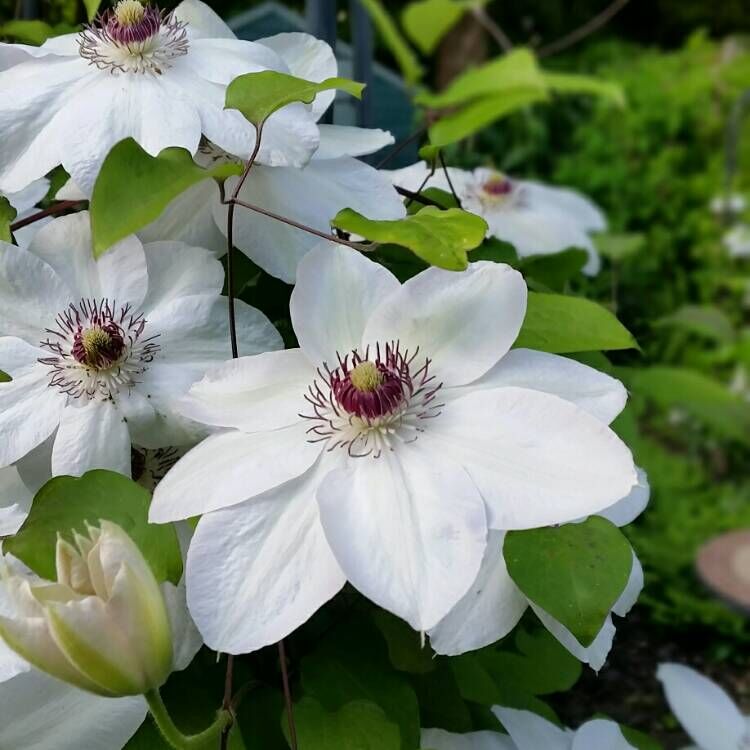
<point x="28" y="32"/>
<point x="727" y="413"/>
<point x="618" y="247"/>
<point x="441" y="238"/>
<point x="7" y="215"/>
<point x="513" y="73"/>
<point x="359" y="725"/>
<point x="704" y="320"/>
<point x="429" y="153"/>
<point x="133" y="188"/>
<point x="573" y="83"/>
<point x="479" y="114"/>
<point x="398" y="46"/>
<point x="92" y="7"/>
<point x="575" y="572"/>
<point x="67" y="503"/>
<point x="561" y="324"/>
<point x="426" y="22"/>
<point x="441" y="197"/>
<point x="258" y="95"/>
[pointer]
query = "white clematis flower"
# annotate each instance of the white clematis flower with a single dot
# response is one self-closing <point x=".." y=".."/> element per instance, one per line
<point x="536" y="219"/>
<point x="382" y="449"/>
<point x="494" y="604"/>
<point x="334" y="179"/>
<point x="439" y="739"/>
<point x="737" y="241"/>
<point x="141" y="73"/>
<point x="98" y="351"/>
<point x="707" y="713"/>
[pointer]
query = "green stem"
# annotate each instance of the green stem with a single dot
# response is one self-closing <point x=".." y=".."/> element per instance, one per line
<point x="174" y="736"/>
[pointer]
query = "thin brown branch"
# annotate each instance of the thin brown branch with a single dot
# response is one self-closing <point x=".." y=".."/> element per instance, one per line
<point x="53" y="210"/>
<point x="227" y="703"/>
<point x="448" y="179"/>
<point x="492" y="28"/>
<point x="397" y="149"/>
<point x="287" y="696"/>
<point x="575" y="36"/>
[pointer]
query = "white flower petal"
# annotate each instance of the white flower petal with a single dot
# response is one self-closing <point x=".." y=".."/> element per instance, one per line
<point x="308" y="58"/>
<point x="263" y="392"/>
<point x="445" y="315"/>
<point x="152" y="422"/>
<point x="26" y="199"/>
<point x="347" y="140"/>
<point x="311" y="196"/>
<point x="600" y="734"/>
<point x="177" y="270"/>
<point x="489" y="610"/>
<point x="631" y="506"/>
<point x="92" y="435"/>
<point x="573" y="204"/>
<point x="29" y="412"/>
<point x="337" y="290"/>
<point x="17" y="357"/>
<point x="38" y="712"/>
<point x="704" y="709"/>
<point x="31" y="294"/>
<point x="186" y="639"/>
<point x="259" y="570"/>
<point x="593" y="391"/>
<point x="15" y="503"/>
<point x="439" y="739"/>
<point x="632" y="590"/>
<point x="65" y="244"/>
<point x="408" y="531"/>
<point x="413" y="178"/>
<point x="530" y="731"/>
<point x="536" y="459"/>
<point x="230" y="467"/>
<point x="202" y="20"/>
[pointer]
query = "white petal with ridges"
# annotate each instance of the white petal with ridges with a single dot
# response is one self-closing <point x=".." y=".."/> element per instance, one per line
<point x="346" y="140"/>
<point x="532" y="732"/>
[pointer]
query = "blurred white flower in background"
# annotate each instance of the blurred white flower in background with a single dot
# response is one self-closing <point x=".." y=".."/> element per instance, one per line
<point x="536" y="219"/>
<point x="737" y="241"/>
<point x="728" y="205"/>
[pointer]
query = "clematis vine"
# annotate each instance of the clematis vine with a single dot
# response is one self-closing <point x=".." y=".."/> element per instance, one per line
<point x="382" y="450"/>
<point x="494" y="605"/>
<point x="536" y="219"/>
<point x="98" y="351"/>
<point x="705" y="710"/>
<point x="137" y="72"/>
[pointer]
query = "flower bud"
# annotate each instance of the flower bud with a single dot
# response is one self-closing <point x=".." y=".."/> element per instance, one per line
<point x="103" y="626"/>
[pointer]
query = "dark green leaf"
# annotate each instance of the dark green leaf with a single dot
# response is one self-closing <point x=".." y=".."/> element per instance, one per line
<point x="133" y="188"/>
<point x="618" y="247"/>
<point x="440" y="702"/>
<point x="4" y="377"/>
<point x="640" y="740"/>
<point x="703" y="320"/>
<point x="259" y="95"/>
<point x="574" y="572"/>
<point x="359" y="725"/>
<point x="555" y="270"/>
<point x="7" y="215"/>
<point x="561" y="324"/>
<point x="441" y="238"/>
<point x="405" y="647"/>
<point x="67" y="503"/>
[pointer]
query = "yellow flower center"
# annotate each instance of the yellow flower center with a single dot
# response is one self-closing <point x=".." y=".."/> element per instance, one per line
<point x="96" y="341"/>
<point x="129" y="12"/>
<point x="366" y="377"/>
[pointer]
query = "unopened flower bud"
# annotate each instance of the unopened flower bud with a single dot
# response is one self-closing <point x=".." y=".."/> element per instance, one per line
<point x="103" y="626"/>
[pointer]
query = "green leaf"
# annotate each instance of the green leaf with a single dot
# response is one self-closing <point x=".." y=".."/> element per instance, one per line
<point x="405" y="648"/>
<point x="554" y="270"/>
<point x="4" y="377"/>
<point x="440" y="703"/>
<point x="67" y="503"/>
<point x="510" y="74"/>
<point x="359" y="725"/>
<point x="478" y="115"/>
<point x="573" y="83"/>
<point x="441" y="238"/>
<point x="574" y="572"/>
<point x="708" y="400"/>
<point x="398" y="46"/>
<point x="258" y="95"/>
<point x="133" y="188"/>
<point x="618" y="247"/>
<point x="441" y="197"/>
<point x="7" y="216"/>
<point x="426" y="22"/>
<point x="92" y="7"/>
<point x="639" y="740"/>
<point x="560" y="324"/>
<point x="31" y="32"/>
<point x="703" y="320"/>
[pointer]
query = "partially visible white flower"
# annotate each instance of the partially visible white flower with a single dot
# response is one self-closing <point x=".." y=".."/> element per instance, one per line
<point x="40" y="712"/>
<point x="99" y="351"/>
<point x="529" y="731"/>
<point x="24" y="201"/>
<point x="705" y="710"/>
<point x="536" y="219"/>
<point x="15" y="501"/>
<point x="380" y="450"/>
<point x="737" y="241"/>
<point x="141" y="73"/>
<point x="439" y="739"/>
<point x="494" y="605"/>
<point x="732" y="204"/>
<point x="333" y="179"/>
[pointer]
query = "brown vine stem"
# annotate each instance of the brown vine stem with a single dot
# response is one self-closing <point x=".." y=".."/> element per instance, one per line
<point x="448" y="179"/>
<point x="53" y="210"/>
<point x="575" y="36"/>
<point x="227" y="703"/>
<point x="396" y="150"/>
<point x="287" y="696"/>
<point x="492" y="28"/>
